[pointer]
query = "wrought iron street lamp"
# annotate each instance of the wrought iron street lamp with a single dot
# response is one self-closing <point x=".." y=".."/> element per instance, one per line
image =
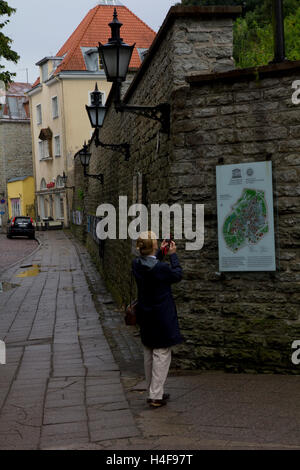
<point x="96" y="113"/>
<point x="116" y="56"/>
<point x="85" y="158"/>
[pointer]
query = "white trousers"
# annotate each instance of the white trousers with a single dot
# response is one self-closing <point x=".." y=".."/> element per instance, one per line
<point x="157" y="363"/>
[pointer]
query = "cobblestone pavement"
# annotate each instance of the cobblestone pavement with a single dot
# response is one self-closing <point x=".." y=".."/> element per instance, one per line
<point x="61" y="385"/>
<point x="14" y="250"/>
<point x="73" y="383"/>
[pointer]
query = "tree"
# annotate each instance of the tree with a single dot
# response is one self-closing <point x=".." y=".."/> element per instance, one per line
<point x="5" y="42"/>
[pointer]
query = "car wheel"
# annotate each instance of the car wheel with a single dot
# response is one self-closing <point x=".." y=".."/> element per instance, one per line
<point x="9" y="236"/>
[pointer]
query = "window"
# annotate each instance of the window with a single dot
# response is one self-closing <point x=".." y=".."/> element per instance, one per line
<point x="43" y="184"/>
<point x="92" y="101"/>
<point x="60" y="182"/>
<point x="45" y="72"/>
<point x="55" y="107"/>
<point x="57" y="146"/>
<point x="59" y="206"/>
<point x="42" y="205"/>
<point x="39" y="114"/>
<point x="43" y="149"/>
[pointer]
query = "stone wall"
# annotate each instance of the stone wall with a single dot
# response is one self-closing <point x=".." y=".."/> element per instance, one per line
<point x="242" y="321"/>
<point x="237" y="321"/>
<point x="15" y="154"/>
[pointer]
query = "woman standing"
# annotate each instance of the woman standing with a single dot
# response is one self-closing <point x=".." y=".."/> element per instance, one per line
<point x="156" y="313"/>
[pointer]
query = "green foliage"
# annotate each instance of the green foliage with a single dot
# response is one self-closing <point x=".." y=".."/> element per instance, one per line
<point x="253" y="32"/>
<point x="253" y="36"/>
<point x="80" y="194"/>
<point x="5" y="42"/>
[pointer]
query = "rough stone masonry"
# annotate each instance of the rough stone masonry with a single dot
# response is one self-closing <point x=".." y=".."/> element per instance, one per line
<point x="236" y="321"/>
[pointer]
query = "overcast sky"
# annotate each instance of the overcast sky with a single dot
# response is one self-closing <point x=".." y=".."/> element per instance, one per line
<point x="40" y="28"/>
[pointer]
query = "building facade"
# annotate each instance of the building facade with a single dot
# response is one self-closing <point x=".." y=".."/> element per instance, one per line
<point x="15" y="149"/>
<point x="60" y="124"/>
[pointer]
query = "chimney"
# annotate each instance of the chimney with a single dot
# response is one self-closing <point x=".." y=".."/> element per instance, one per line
<point x="278" y="29"/>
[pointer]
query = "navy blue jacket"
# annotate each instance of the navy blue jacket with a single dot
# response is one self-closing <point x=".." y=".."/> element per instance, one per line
<point x="156" y="312"/>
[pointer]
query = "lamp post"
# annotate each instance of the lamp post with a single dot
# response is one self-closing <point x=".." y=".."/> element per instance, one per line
<point x="96" y="113"/>
<point x="278" y="31"/>
<point x="116" y="56"/>
<point x="85" y="157"/>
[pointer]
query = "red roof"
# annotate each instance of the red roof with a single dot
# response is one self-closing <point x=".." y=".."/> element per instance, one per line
<point x="94" y="29"/>
<point x="18" y="89"/>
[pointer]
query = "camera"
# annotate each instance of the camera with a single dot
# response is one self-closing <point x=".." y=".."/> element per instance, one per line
<point x="168" y="240"/>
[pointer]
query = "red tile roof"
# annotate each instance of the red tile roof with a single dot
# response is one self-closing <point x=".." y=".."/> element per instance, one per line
<point x="94" y="29"/>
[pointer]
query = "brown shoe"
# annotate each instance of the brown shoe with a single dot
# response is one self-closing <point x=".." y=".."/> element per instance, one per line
<point x="166" y="396"/>
<point x="157" y="403"/>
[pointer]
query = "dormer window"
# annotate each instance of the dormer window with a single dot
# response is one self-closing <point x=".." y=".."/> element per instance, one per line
<point x="48" y="65"/>
<point x="91" y="101"/>
<point x="92" y="61"/>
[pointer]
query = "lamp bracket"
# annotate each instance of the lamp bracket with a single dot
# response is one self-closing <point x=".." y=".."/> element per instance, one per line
<point x="124" y="149"/>
<point x="160" y="113"/>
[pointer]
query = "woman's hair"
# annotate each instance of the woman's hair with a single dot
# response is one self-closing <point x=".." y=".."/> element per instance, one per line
<point x="145" y="243"/>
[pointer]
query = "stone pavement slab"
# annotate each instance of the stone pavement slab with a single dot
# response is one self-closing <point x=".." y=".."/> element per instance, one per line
<point x="61" y="382"/>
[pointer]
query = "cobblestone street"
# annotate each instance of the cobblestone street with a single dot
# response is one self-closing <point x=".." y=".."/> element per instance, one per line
<point x="71" y="382"/>
<point x="14" y="250"/>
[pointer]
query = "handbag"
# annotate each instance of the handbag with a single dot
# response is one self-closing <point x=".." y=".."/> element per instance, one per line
<point x="131" y="309"/>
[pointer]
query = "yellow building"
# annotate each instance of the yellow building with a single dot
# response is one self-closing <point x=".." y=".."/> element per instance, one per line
<point x="59" y="122"/>
<point x="20" y="193"/>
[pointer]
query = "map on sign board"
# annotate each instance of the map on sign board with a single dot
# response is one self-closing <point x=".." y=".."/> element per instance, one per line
<point x="245" y="217"/>
<point x="248" y="221"/>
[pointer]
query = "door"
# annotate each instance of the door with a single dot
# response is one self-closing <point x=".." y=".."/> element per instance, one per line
<point x="15" y="207"/>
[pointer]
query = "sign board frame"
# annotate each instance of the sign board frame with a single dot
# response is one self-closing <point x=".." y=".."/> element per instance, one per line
<point x="246" y="235"/>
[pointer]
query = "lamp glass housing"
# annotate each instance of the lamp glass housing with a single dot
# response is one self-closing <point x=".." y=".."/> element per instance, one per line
<point x="116" y="59"/>
<point x="85" y="158"/>
<point x="96" y="115"/>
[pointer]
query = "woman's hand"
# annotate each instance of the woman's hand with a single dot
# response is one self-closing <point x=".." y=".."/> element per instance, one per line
<point x="164" y="245"/>
<point x="172" y="248"/>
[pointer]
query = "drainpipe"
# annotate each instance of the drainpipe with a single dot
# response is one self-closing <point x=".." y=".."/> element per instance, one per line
<point x="278" y="30"/>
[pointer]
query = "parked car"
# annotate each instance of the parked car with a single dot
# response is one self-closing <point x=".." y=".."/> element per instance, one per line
<point x="21" y="226"/>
